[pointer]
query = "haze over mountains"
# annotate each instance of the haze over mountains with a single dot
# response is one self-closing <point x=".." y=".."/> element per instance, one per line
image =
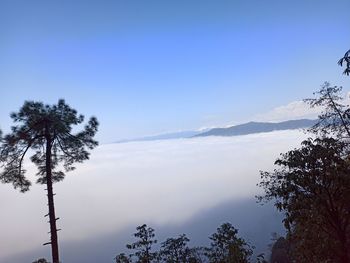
<point x="164" y="136"/>
<point x="236" y="130"/>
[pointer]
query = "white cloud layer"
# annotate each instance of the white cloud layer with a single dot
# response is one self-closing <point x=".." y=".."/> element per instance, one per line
<point x="132" y="183"/>
<point x="295" y="110"/>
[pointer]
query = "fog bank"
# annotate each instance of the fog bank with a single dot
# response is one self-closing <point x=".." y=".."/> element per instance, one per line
<point x="167" y="184"/>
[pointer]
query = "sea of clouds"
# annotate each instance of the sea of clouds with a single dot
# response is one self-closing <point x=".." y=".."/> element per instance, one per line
<point x="169" y="184"/>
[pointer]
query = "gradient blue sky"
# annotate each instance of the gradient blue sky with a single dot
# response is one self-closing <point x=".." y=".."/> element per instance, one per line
<point x="147" y="67"/>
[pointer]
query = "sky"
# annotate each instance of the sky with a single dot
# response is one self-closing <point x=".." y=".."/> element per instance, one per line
<point x="175" y="186"/>
<point x="148" y="67"/>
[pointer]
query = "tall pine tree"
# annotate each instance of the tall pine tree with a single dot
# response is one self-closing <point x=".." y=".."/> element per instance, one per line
<point x="46" y="130"/>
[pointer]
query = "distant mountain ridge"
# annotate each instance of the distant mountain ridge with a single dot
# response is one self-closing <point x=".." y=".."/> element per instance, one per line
<point x="164" y="136"/>
<point x="258" y="127"/>
<point x="236" y="130"/>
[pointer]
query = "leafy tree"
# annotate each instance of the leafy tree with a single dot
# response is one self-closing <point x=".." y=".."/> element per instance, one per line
<point x="143" y="245"/>
<point x="345" y="60"/>
<point x="198" y="255"/>
<point x="280" y="251"/>
<point x="47" y="131"/>
<point x="122" y="258"/>
<point x="335" y="116"/>
<point x="175" y="250"/>
<point x="227" y="247"/>
<point x="261" y="259"/>
<point x="312" y="187"/>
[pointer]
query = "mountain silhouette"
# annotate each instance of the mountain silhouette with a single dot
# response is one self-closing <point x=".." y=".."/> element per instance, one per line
<point x="242" y="129"/>
<point x="258" y="127"/>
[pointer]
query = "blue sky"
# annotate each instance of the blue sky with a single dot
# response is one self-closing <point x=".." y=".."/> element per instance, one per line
<point x="147" y="67"/>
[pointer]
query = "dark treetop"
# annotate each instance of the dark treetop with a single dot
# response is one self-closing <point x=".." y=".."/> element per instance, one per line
<point x="37" y="124"/>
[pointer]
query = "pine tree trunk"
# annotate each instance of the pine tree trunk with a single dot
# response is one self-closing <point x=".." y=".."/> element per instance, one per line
<point x="52" y="216"/>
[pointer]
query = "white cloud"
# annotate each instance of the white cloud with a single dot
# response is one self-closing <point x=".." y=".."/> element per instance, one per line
<point x="132" y="183"/>
<point x="294" y="110"/>
<point x="291" y="111"/>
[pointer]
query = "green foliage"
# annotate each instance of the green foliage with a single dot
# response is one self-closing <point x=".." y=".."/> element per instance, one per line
<point x="198" y="255"/>
<point x="37" y="124"/>
<point x="280" y="251"/>
<point x="227" y="247"/>
<point x="143" y="246"/>
<point x="122" y="258"/>
<point x="345" y="60"/>
<point x="261" y="259"/>
<point x="312" y="187"/>
<point x="176" y="250"/>
<point x="335" y="116"/>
